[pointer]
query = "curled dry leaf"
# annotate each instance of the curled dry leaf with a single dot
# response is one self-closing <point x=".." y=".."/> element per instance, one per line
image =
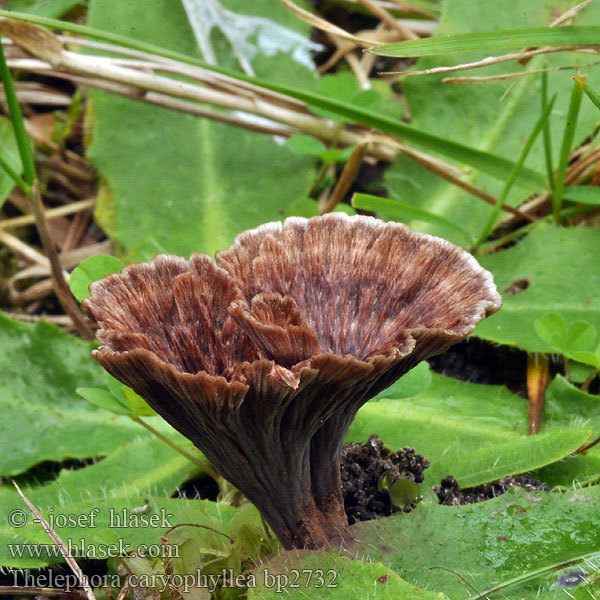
<point x="264" y="358"/>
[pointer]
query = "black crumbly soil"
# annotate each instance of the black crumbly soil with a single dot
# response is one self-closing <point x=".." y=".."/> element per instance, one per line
<point x="364" y="465"/>
<point x="450" y="494"/>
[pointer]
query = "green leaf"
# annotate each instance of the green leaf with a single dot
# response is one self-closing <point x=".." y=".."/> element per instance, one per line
<point x="491" y="41"/>
<point x="587" y="358"/>
<point x="411" y="384"/>
<point x="204" y="181"/>
<point x="389" y="210"/>
<point x="302" y="208"/>
<point x="90" y="270"/>
<point x="302" y="574"/>
<point x="10" y="153"/>
<point x="45" y="8"/>
<point x="519" y="535"/>
<point x="478" y="115"/>
<point x="559" y="269"/>
<point x="580" y="337"/>
<point x="459" y="428"/>
<point x="586" y="194"/>
<point x="137" y="405"/>
<point x="552" y="329"/>
<point x="567" y="406"/>
<point x="514" y="457"/>
<point x="307" y="145"/>
<point x="43" y="418"/>
<point x="137" y="478"/>
<point x="104" y="399"/>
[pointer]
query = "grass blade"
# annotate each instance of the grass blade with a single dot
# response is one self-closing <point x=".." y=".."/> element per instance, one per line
<point x="592" y="95"/>
<point x="540" y="124"/>
<point x="547" y="136"/>
<point x="567" y="143"/>
<point x="17" y="122"/>
<point x="399" y="211"/>
<point x="495" y="166"/>
<point x="491" y="41"/>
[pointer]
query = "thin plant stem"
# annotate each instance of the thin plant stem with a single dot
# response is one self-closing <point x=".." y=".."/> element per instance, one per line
<point x="199" y="463"/>
<point x="61" y="287"/>
<point x="514" y="173"/>
<point x="567" y="143"/>
<point x="547" y="136"/>
<point x="16" y="117"/>
<point x="349" y="173"/>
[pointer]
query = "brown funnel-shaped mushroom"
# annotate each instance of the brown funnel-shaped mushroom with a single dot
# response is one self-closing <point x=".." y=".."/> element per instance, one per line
<point x="264" y="360"/>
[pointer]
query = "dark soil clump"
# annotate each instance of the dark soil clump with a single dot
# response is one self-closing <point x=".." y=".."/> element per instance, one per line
<point x="450" y="493"/>
<point x="363" y="466"/>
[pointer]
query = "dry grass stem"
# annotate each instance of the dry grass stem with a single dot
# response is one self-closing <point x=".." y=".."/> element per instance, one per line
<point x="52" y="213"/>
<point x="61" y="320"/>
<point x="63" y="292"/>
<point x="324" y="25"/>
<point x="388" y="19"/>
<point x="490" y="60"/>
<point x="509" y="76"/>
<point x="22" y="249"/>
<point x="347" y="177"/>
<point x="63" y="548"/>
<point x="438" y="168"/>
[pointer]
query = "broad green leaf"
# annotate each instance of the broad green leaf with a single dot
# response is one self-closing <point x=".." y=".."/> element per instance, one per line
<point x="45" y="8"/>
<point x="586" y="194"/>
<point x="512" y="536"/>
<point x="580" y="337"/>
<point x="587" y="358"/>
<point x="10" y="153"/>
<point x="90" y="270"/>
<point x="568" y="406"/>
<point x="137" y="405"/>
<point x="475" y="432"/>
<point x="478" y="116"/>
<point x="302" y="208"/>
<point x="194" y="184"/>
<point x="559" y="267"/>
<point x="138" y="473"/>
<point x="491" y="41"/>
<point x="326" y="575"/>
<point x="411" y="384"/>
<point x="513" y="457"/>
<point x="389" y="210"/>
<point x="552" y="329"/>
<point x="104" y="399"/>
<point x="43" y="418"/>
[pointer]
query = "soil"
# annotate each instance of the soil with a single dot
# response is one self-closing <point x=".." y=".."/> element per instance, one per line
<point x="450" y="493"/>
<point x="364" y="466"/>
